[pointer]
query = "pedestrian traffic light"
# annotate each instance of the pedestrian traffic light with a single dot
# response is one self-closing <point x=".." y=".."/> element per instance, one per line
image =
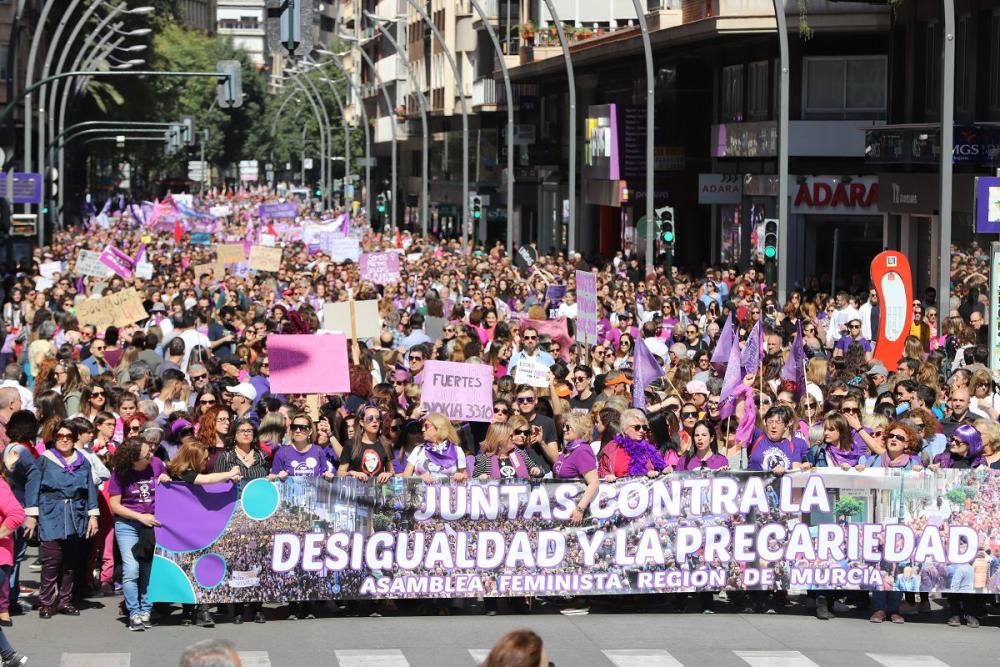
<point x="53" y="178"/>
<point x="318" y="192"/>
<point x="665" y="224"/>
<point x="380" y="203"/>
<point x="770" y="239"/>
<point x="230" y="84"/>
<point x="477" y="207"/>
<point x="187" y="130"/>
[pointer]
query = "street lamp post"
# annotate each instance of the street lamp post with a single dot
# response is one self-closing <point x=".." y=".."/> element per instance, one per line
<point x="510" y="118"/>
<point x="571" y="82"/>
<point x="465" y="117"/>
<point x="422" y="100"/>
<point x="347" y="130"/>
<point x="392" y="116"/>
<point x="323" y="122"/>
<point x="947" y="141"/>
<point x="783" y="266"/>
<point x="332" y="60"/>
<point x="650" y="132"/>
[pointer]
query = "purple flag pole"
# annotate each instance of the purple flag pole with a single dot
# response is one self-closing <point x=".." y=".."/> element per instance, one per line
<point x="647" y="370"/>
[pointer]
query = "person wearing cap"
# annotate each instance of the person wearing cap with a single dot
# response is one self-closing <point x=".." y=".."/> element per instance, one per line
<point x="854" y="335"/>
<point x="698" y="393"/>
<point x="878" y="383"/>
<point x="241" y="398"/>
<point x="616" y="383"/>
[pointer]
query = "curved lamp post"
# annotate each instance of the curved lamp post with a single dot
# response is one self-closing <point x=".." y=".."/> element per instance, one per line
<point x="571" y="83"/>
<point x="325" y="128"/>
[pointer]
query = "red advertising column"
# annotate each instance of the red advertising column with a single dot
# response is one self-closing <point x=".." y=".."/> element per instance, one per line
<point x="891" y="277"/>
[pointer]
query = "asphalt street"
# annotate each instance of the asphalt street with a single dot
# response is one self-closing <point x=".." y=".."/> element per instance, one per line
<point x="792" y="638"/>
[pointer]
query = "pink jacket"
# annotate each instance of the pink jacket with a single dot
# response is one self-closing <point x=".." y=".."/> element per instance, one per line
<point x="11" y="516"/>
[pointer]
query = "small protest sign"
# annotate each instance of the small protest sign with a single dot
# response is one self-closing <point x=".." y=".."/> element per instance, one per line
<point x="380" y="268"/>
<point x="463" y="392"/>
<point x="308" y="364"/>
<point x="338" y="317"/>
<point x="343" y="249"/>
<point x="120" y="263"/>
<point x="88" y="263"/>
<point x="265" y="259"/>
<point x="532" y="373"/>
<point x="48" y="270"/>
<point x="230" y="253"/>
<point x="586" y="307"/>
<point x="119" y="309"/>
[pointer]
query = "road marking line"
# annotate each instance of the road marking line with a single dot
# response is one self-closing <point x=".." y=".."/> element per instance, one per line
<point x="904" y="660"/>
<point x="775" y="659"/>
<point x="95" y="660"/>
<point x="372" y="658"/>
<point x="255" y="659"/>
<point x="479" y="654"/>
<point x="628" y="657"/>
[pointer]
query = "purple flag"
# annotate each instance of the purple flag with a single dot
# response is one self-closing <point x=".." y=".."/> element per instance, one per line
<point x="726" y="339"/>
<point x="345" y="223"/>
<point x="647" y="370"/>
<point x="731" y="380"/>
<point x="750" y="358"/>
<point x="795" y="366"/>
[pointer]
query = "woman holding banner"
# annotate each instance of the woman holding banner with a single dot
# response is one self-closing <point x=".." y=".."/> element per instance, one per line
<point x="367" y="456"/>
<point x="499" y="459"/>
<point x="440" y="457"/>
<point x="631" y="454"/>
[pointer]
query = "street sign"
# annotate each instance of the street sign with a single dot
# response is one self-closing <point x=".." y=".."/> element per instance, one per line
<point x="27" y="187"/>
<point x="196" y="171"/>
<point x="24" y="224"/>
<point x="307" y="163"/>
<point x="365" y="162"/>
<point x="249" y="170"/>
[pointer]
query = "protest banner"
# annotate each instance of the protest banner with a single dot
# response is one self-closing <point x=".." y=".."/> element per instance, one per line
<point x="463" y="392"/>
<point x="48" y="270"/>
<point x="278" y="210"/>
<point x="380" y="268"/>
<point x="119" y="262"/>
<point x="88" y="263"/>
<point x="221" y="211"/>
<point x="358" y="319"/>
<point x="308" y="364"/>
<point x="230" y="253"/>
<point x="144" y="270"/>
<point x="201" y="238"/>
<point x="685" y="532"/>
<point x="265" y="259"/>
<point x="530" y="372"/>
<point x="343" y="249"/>
<point x="119" y="309"/>
<point x="201" y="269"/>
<point x="586" y="307"/>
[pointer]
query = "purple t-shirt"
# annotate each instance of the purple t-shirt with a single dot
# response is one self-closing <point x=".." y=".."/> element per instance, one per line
<point x="137" y="488"/>
<point x="574" y="461"/>
<point x="310" y="463"/>
<point x="713" y="462"/>
<point x="766" y="455"/>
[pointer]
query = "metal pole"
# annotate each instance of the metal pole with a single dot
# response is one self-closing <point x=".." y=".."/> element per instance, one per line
<point x="650" y="135"/>
<point x="422" y="101"/>
<point x="54" y="142"/>
<point x="204" y="167"/>
<point x="318" y="110"/>
<point x="947" y="141"/>
<point x="465" y="119"/>
<point x="327" y="166"/>
<point x="13" y="65"/>
<point x="833" y="273"/>
<point x="392" y="126"/>
<point x="109" y="130"/>
<point x="29" y="78"/>
<point x="347" y="130"/>
<point x="367" y="127"/>
<point x="64" y="102"/>
<point x="571" y="83"/>
<point x="784" y="252"/>
<point x="510" y="116"/>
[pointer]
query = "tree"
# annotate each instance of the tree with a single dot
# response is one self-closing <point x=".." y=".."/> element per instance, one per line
<point x="848" y="506"/>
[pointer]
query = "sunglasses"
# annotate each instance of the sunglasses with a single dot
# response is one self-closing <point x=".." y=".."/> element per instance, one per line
<point x="851" y="411"/>
<point x="371" y="419"/>
<point x="581" y="378"/>
<point x="525" y="400"/>
<point x="688" y="415"/>
<point x="64" y="436"/>
<point x="97" y="394"/>
<point x="641" y="428"/>
<point x="530" y="337"/>
<point x="897" y="436"/>
<point x="522" y="431"/>
<point x="300" y="427"/>
<point x="210" y="401"/>
<point x="412" y="359"/>
<point x="501" y="411"/>
<point x="918" y="425"/>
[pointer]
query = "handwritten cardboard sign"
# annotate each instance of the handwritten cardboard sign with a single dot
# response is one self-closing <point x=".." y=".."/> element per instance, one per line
<point x="380" y="268"/>
<point x="119" y="309"/>
<point x="313" y="364"/>
<point x="463" y="392"/>
<point x="230" y="253"/>
<point x="265" y="259"/>
<point x="532" y="373"/>
<point x="586" y="307"/>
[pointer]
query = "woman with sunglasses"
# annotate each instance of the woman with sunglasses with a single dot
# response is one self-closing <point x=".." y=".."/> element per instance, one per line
<point x="901" y="441"/>
<point x="576" y="461"/>
<point x="521" y="440"/>
<point x="965" y="450"/>
<point x="367" y="456"/>
<point x="810" y="416"/>
<point x="207" y="398"/>
<point x="65" y="505"/>
<point x="302" y="457"/>
<point x="689" y="416"/>
<point x="631" y="454"/>
<point x="502" y="411"/>
<point x="499" y="458"/>
<point x="93" y="399"/>
<point x="440" y="457"/>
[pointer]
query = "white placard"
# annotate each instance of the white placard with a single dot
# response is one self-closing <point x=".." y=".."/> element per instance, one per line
<point x="342" y="249"/>
<point x="88" y="263"/>
<point x="49" y="270"/>
<point x="532" y="373"/>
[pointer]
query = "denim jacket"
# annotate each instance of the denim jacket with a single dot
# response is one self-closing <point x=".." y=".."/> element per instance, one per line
<point x="62" y="502"/>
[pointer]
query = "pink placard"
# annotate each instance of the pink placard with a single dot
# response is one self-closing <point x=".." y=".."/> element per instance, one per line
<point x="311" y="364"/>
<point x="462" y="392"/>
<point x="381" y="268"/>
<point x="118" y="261"/>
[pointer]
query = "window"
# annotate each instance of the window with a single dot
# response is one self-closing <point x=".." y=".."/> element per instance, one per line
<point x="932" y="68"/>
<point x="843" y="86"/>
<point x="757" y="97"/>
<point x="964" y="62"/>
<point x="732" y="94"/>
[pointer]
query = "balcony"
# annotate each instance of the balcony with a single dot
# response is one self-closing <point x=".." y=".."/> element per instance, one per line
<point x="695" y="10"/>
<point x="390" y="68"/>
<point x="383" y="130"/>
<point x="484" y="93"/>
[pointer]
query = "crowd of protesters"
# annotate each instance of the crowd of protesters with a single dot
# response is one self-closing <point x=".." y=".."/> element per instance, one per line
<point x="93" y="419"/>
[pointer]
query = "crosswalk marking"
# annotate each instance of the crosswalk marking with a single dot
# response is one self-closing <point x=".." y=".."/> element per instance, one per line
<point x="255" y="659"/>
<point x="95" y="660"/>
<point x="479" y="654"/>
<point x="775" y="659"/>
<point x="641" y="658"/>
<point x="903" y="660"/>
<point x="371" y="658"/>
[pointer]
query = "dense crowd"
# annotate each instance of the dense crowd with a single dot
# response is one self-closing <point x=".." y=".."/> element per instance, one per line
<point x="93" y="418"/>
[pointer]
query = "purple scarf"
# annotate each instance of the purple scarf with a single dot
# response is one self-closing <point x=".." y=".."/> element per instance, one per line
<point x="642" y="455"/>
<point x="521" y="471"/>
<point x="444" y="454"/>
<point x="901" y="462"/>
<point x="66" y="465"/>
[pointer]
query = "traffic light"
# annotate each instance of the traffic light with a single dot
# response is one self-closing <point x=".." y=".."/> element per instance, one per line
<point x="770" y="239"/>
<point x="380" y="203"/>
<point x="187" y="130"/>
<point x="665" y="224"/>
<point x="318" y="193"/>
<point x="53" y="177"/>
<point x="477" y="208"/>
<point x="229" y="89"/>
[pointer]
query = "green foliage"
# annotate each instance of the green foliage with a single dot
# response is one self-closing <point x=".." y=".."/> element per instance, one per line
<point x="956" y="496"/>
<point x="848" y="506"/>
<point x="970" y="492"/>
